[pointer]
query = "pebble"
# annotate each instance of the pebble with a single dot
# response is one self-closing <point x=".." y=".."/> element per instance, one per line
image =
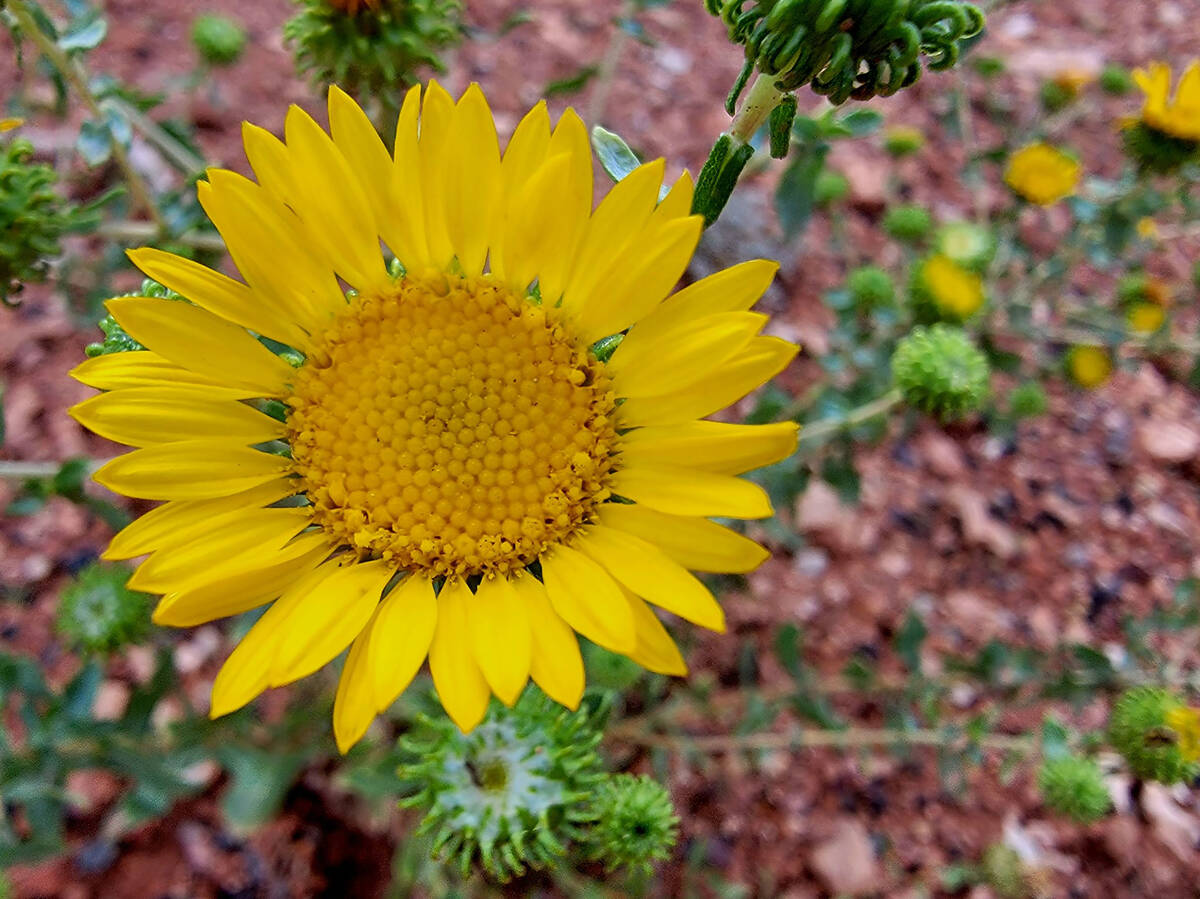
<point x="1169" y="442"/>
<point x="811" y="562"/>
<point x="846" y="861"/>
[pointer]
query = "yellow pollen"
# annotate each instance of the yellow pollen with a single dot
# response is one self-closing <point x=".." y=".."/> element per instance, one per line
<point x="451" y="426"/>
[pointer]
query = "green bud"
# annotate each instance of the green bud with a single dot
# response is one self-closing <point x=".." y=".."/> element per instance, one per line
<point x="512" y="794"/>
<point x="1143" y="728"/>
<point x="967" y="244"/>
<point x="1027" y="400"/>
<point x="1156" y="153"/>
<point x="871" y="286"/>
<point x="1116" y="80"/>
<point x="939" y="371"/>
<point x="376" y="50"/>
<point x="831" y="187"/>
<point x="219" y="40"/>
<point x="98" y="613"/>
<point x="908" y="223"/>
<point x="903" y="141"/>
<point x="116" y="340"/>
<point x="1074" y="786"/>
<point x="1055" y="96"/>
<point x="990" y="66"/>
<point x="635" y="823"/>
<point x="1003" y="872"/>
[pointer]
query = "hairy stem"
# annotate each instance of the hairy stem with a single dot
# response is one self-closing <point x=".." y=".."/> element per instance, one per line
<point x="854" y="417"/>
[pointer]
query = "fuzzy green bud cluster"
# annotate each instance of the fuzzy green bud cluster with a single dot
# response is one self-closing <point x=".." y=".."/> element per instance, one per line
<point x="634" y="823"/>
<point x="1074" y="786"/>
<point x="374" y="51"/>
<point x="98" y="613"/>
<point x="871" y="287"/>
<point x="831" y="187"/>
<point x="1027" y="400"/>
<point x="218" y="39"/>
<point x="846" y="49"/>
<point x="1157" y="153"/>
<point x="1144" y="728"/>
<point x="1116" y="80"/>
<point x="1003" y="871"/>
<point x="903" y="141"/>
<point x="33" y="218"/>
<point x="908" y="223"/>
<point x="939" y="371"/>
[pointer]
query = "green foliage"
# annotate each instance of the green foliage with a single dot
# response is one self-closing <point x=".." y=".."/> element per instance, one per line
<point x="1116" y="80"/>
<point x="1074" y="786"/>
<point x="847" y="48"/>
<point x="1055" y="96"/>
<point x="1157" y="153"/>
<point x="375" y="52"/>
<point x="871" y="286"/>
<point x="116" y="340"/>
<point x="1139" y="729"/>
<point x="908" y="223"/>
<point x="1003" y="872"/>
<point x="1027" y="400"/>
<point x="33" y="218"/>
<point x="941" y="372"/>
<point x="218" y="39"/>
<point x="967" y="244"/>
<point x="831" y="187"/>
<point x="900" y="142"/>
<point x="98" y="613"/>
<point x="634" y="823"/>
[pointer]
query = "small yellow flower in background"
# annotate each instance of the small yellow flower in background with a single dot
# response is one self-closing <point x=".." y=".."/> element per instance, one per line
<point x="10" y="124"/>
<point x="1147" y="228"/>
<point x="1177" y="116"/>
<point x="1186" y="724"/>
<point x="957" y="292"/>
<point x="464" y="477"/>
<point x="1074" y="80"/>
<point x="1089" y="366"/>
<point x="1043" y="174"/>
<point x="1145" y="318"/>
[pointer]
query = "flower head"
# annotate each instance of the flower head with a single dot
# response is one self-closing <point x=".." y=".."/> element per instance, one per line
<point x="635" y="823"/>
<point x="441" y="464"/>
<point x="1074" y="786"/>
<point x="1177" y="116"/>
<point x="10" y="124"/>
<point x="1042" y="174"/>
<point x="941" y="372"/>
<point x="1089" y="366"/>
<point x="1157" y="734"/>
<point x="98" y="613"/>
<point x="943" y="290"/>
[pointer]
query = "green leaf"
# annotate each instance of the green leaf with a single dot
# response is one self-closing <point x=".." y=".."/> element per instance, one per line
<point x="572" y="84"/>
<point x="795" y="197"/>
<point x="1055" y="739"/>
<point x="614" y="154"/>
<point x="259" y="781"/>
<point x="94" y="143"/>
<point x="84" y="35"/>
<point x="787" y="648"/>
<point x="80" y="694"/>
<point x="861" y="122"/>
<point x="908" y="642"/>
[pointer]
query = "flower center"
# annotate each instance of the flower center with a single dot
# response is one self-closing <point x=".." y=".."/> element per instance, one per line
<point x="451" y="426"/>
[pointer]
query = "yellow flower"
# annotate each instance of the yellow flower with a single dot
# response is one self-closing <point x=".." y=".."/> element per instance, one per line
<point x="10" y="124"/>
<point x="1042" y="174"/>
<point x="1186" y="723"/>
<point x="1147" y="228"/>
<point x="459" y="474"/>
<point x="1179" y="116"/>
<point x="957" y="292"/>
<point x="1074" y="80"/>
<point x="1089" y="366"/>
<point x="1145" y="318"/>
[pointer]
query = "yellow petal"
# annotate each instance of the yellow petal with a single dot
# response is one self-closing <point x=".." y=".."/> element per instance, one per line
<point x="268" y="157"/>
<point x="650" y="573"/>
<point x="328" y="618"/>
<point x="655" y="650"/>
<point x="536" y="227"/>
<point x="331" y="199"/>
<point x="585" y="597"/>
<point x="460" y="684"/>
<point x="220" y="295"/>
<point x="695" y="543"/>
<point x="243" y="540"/>
<point x="191" y="469"/>
<point x="147" y="415"/>
<point x="573" y="206"/>
<point x="713" y="446"/>
<point x="358" y="141"/>
<point x="694" y="352"/>
<point x="354" y="704"/>
<point x="403" y="633"/>
<point x="735" y="289"/>
<point x="498" y="618"/>
<point x="437" y="114"/>
<point x="198" y="340"/>
<point x="526" y="150"/>
<point x="471" y="180"/>
<point x="234" y="593"/>
<point x="555" y="664"/>
<point x="406" y="222"/>
<point x="761" y="360"/>
<point x="142" y="368"/>
<point x="686" y="491"/>
<point x="179" y="522"/>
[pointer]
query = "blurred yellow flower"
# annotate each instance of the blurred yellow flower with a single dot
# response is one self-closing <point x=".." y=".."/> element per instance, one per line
<point x="1145" y="318"/>
<point x="1074" y="80"/>
<point x="1178" y="117"/>
<point x="957" y="292"/>
<point x="1043" y="174"/>
<point x="10" y="124"/>
<point x="1186" y="723"/>
<point x="1147" y="228"/>
<point x="1089" y="366"/>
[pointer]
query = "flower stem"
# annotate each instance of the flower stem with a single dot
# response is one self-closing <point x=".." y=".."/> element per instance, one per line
<point x="856" y="416"/>
<point x="23" y="471"/>
<point x="145" y="232"/>
<point x="75" y="77"/>
<point x="763" y="97"/>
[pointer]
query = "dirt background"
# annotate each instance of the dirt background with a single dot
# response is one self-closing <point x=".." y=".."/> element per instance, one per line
<point x="1090" y="513"/>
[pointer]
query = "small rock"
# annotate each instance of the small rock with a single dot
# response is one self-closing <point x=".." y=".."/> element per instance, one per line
<point x="811" y="562"/>
<point x="1168" y="518"/>
<point x="942" y="455"/>
<point x="190" y="656"/>
<point x="1173" y="827"/>
<point x="820" y="512"/>
<point x="846" y="861"/>
<point x="111" y="701"/>
<point x="895" y="564"/>
<point x="978" y="526"/>
<point x="973" y="615"/>
<point x="1169" y="442"/>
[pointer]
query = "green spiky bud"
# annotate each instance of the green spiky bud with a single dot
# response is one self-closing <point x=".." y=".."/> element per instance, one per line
<point x="908" y="223"/>
<point x="1074" y="786"/>
<point x="1003" y="871"/>
<point x="1027" y="400"/>
<point x="1156" y="735"/>
<point x="871" y="287"/>
<point x="939" y="371"/>
<point x="635" y="823"/>
<point x="830" y="187"/>
<point x="903" y="141"/>
<point x="1155" y="152"/>
<point x="33" y="218"/>
<point x="1055" y="96"/>
<point x="513" y="793"/>
<point x="374" y="48"/>
<point x="219" y="40"/>
<point x="967" y="244"/>
<point x="1116" y="80"/>
<point x="98" y="613"/>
